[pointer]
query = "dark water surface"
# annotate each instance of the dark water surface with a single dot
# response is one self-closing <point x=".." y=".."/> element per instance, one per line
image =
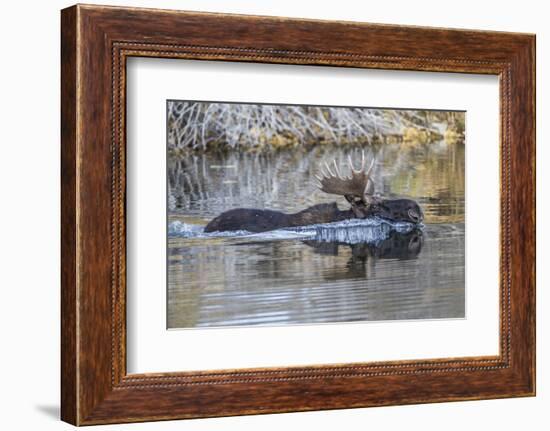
<point x="349" y="271"/>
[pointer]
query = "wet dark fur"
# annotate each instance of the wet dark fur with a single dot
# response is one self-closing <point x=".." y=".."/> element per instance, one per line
<point x="258" y="220"/>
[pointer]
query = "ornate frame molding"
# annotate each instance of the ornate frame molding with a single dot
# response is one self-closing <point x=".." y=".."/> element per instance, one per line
<point x="96" y="41"/>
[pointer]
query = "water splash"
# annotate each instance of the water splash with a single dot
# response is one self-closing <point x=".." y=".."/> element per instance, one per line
<point x="369" y="231"/>
<point x="355" y="231"/>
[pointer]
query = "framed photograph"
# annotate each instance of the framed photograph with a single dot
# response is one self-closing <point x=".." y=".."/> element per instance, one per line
<point x="263" y="214"/>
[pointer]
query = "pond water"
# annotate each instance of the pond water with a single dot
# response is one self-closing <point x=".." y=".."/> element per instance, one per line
<point x="358" y="270"/>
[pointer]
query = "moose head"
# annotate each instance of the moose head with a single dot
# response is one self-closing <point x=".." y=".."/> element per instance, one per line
<point x="358" y="189"/>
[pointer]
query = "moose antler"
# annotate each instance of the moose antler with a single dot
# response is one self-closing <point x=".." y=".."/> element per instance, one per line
<point x="358" y="185"/>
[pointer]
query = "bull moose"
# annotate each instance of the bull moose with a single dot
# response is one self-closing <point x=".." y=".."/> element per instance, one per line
<point x="357" y="188"/>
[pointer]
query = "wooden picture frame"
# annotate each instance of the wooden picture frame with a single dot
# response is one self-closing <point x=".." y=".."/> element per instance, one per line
<point x="96" y="41"/>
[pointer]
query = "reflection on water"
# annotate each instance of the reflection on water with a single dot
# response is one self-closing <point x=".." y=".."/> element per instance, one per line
<point x="359" y="270"/>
